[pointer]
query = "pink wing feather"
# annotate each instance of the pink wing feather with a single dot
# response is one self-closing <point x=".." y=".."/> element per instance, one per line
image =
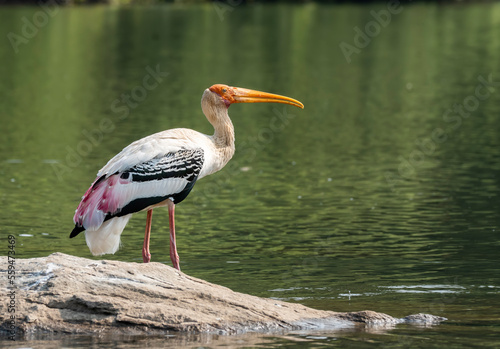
<point x="100" y="199"/>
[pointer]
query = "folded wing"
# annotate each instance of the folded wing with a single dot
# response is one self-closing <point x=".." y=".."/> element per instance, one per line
<point x="167" y="176"/>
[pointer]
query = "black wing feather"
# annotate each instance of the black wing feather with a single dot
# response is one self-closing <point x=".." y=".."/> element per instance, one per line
<point x="185" y="163"/>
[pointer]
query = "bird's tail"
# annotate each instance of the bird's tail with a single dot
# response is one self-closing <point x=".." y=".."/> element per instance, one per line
<point x="106" y="239"/>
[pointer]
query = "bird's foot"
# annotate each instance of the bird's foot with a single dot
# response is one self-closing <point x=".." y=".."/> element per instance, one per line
<point x="174" y="257"/>
<point x="146" y="256"/>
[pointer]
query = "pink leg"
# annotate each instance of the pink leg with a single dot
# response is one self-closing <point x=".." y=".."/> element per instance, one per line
<point x="146" y="256"/>
<point x="173" y="247"/>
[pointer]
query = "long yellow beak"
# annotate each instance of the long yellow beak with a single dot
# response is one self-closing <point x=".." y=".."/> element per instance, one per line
<point x="244" y="95"/>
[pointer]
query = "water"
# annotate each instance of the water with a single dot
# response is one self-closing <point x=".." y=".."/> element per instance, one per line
<point x="374" y="196"/>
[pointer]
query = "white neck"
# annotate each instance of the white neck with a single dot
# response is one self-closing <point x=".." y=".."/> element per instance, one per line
<point x="223" y="138"/>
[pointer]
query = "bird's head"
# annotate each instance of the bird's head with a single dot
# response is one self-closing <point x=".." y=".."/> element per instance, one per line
<point x="229" y="95"/>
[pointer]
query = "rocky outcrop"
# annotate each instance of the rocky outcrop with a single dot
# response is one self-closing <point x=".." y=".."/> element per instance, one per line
<point x="66" y="294"/>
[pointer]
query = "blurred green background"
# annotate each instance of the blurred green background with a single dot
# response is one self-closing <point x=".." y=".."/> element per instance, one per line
<point x="382" y="194"/>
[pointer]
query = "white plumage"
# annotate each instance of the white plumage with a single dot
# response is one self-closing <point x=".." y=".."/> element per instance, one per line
<point x="106" y="239"/>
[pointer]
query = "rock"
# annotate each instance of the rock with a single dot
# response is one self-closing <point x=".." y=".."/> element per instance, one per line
<point x="423" y="319"/>
<point x="66" y="294"/>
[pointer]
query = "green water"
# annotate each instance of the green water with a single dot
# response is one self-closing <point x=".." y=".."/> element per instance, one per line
<point x="375" y="196"/>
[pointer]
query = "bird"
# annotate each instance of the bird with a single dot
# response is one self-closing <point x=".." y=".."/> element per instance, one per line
<point x="160" y="170"/>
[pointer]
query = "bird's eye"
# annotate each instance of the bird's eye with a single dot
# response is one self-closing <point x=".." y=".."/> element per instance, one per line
<point x="224" y="90"/>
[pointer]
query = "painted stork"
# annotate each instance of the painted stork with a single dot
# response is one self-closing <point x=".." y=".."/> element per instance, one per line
<point x="160" y="170"/>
